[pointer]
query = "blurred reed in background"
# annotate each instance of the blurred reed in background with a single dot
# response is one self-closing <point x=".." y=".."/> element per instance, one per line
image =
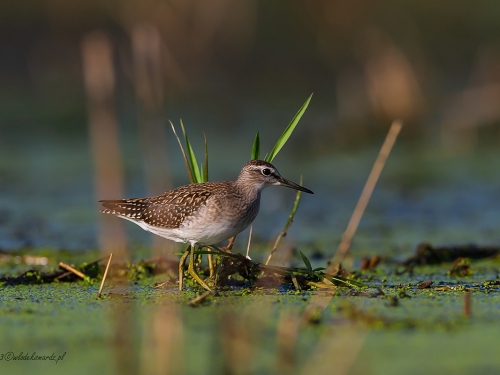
<point x="99" y="73"/>
<point x="149" y="89"/>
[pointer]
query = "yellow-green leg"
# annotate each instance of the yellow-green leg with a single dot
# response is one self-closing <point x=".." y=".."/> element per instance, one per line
<point x="192" y="271"/>
<point x="229" y="246"/>
<point x="181" y="267"/>
<point x="210" y="264"/>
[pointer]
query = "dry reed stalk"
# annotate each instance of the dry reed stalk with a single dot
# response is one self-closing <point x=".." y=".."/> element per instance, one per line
<point x="320" y="302"/>
<point x="295" y="282"/>
<point x="104" y="276"/>
<point x="72" y="270"/>
<point x="63" y="275"/>
<point x="357" y="214"/>
<point x="99" y="78"/>
<point x="249" y="241"/>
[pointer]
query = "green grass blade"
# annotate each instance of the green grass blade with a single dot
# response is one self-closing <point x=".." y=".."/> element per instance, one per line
<point x="188" y="167"/>
<point x="205" y="165"/>
<point x="306" y="262"/>
<point x="202" y="175"/>
<point x="287" y="225"/>
<point x="255" y="148"/>
<point x="195" y="170"/>
<point x="288" y="131"/>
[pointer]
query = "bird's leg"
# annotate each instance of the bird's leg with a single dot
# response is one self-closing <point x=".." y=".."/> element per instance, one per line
<point x="229" y="246"/>
<point x="210" y="264"/>
<point x="193" y="272"/>
<point x="181" y="267"/>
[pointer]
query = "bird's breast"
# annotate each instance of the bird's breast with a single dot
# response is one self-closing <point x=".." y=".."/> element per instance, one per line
<point x="219" y="220"/>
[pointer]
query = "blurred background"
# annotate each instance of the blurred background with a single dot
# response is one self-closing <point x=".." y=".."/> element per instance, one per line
<point x="87" y="89"/>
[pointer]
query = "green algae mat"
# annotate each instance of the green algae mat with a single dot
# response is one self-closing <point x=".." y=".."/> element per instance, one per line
<point x="428" y="319"/>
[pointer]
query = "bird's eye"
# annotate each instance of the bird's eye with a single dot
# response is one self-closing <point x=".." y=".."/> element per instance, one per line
<point x="266" y="171"/>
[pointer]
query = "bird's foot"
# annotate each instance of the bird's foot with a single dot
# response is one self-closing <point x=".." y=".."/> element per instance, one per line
<point x="193" y="273"/>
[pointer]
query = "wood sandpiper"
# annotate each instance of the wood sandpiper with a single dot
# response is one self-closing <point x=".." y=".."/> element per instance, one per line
<point x="202" y="214"/>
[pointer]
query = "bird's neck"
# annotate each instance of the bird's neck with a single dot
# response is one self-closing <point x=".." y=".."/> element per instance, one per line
<point x="248" y="189"/>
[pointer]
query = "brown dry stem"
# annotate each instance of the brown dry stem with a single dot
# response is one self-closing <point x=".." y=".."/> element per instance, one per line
<point x="104" y="276"/>
<point x="72" y="270"/>
<point x="357" y="214"/>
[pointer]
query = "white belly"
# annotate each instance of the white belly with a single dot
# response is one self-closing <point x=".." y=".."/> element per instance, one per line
<point x="210" y="233"/>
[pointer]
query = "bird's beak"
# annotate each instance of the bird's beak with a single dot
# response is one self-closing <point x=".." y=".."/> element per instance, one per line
<point x="293" y="185"/>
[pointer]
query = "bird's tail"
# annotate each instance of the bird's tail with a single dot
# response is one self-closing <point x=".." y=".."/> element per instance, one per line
<point x="131" y="208"/>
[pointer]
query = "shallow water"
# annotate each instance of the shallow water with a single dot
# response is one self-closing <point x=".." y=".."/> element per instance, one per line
<point x="424" y="194"/>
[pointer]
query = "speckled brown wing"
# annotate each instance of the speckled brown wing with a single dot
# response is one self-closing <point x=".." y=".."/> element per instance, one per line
<point x="168" y="210"/>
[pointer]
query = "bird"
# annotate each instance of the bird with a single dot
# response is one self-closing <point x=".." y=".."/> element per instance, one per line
<point x="202" y="214"/>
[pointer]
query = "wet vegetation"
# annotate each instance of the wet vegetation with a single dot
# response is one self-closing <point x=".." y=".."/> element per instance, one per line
<point x="292" y="326"/>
